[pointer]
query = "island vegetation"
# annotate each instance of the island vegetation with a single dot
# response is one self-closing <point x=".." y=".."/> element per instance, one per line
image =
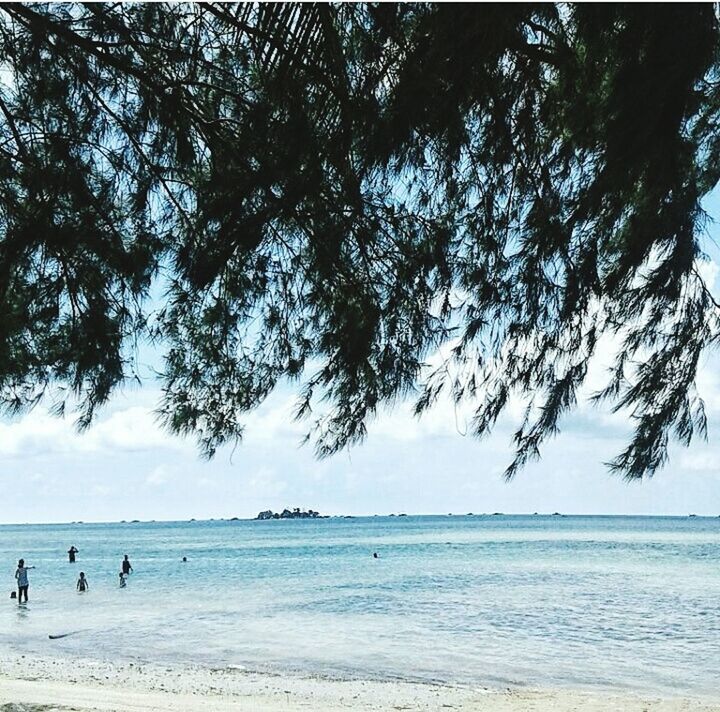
<point x="290" y="514"/>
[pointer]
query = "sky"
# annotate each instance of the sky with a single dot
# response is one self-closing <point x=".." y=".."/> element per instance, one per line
<point x="127" y="467"/>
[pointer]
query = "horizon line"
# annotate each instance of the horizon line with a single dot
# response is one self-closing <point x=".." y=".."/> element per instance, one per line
<point x="394" y="515"/>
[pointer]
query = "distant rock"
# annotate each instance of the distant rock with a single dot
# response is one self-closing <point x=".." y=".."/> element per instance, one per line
<point x="296" y="513"/>
<point x="237" y="519"/>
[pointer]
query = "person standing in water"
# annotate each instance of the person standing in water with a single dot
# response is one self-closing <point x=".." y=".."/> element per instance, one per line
<point x="71" y="554"/>
<point x="126" y="568"/>
<point x="123" y="582"/>
<point x="82" y="584"/>
<point x="22" y="580"/>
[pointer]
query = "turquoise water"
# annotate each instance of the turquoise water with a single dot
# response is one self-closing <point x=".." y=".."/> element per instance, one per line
<point x="621" y="602"/>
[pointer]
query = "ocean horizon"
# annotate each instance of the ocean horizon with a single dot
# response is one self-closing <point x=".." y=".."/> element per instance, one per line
<point x="323" y="516"/>
<point x="622" y="602"/>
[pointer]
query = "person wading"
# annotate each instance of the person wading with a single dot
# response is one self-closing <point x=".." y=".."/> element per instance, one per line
<point x="126" y="567"/>
<point x="22" y="580"/>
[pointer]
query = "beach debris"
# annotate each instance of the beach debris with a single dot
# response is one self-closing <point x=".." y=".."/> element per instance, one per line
<point x="62" y="635"/>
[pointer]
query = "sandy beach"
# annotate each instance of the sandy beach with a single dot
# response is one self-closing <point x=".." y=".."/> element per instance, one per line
<point x="35" y="685"/>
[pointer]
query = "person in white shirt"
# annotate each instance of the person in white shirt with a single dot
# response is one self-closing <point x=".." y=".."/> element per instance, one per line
<point x="22" y="580"/>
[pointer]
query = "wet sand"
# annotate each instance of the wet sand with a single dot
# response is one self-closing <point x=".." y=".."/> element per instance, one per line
<point x="43" y="685"/>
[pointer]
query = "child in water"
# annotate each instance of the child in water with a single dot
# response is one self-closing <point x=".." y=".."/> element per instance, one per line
<point x="123" y="582"/>
<point x="82" y="584"/>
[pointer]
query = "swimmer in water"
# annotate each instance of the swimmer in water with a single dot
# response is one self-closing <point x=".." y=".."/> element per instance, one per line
<point x="82" y="584"/>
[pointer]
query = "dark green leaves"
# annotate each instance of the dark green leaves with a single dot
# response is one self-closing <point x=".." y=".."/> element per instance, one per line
<point x="331" y="193"/>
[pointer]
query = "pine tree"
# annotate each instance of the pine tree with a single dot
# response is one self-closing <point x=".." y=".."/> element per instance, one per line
<point x="331" y="193"/>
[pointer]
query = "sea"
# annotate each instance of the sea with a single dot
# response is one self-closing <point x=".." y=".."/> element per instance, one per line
<point x="623" y="603"/>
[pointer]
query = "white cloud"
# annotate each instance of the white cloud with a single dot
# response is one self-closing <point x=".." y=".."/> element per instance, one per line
<point x="159" y="476"/>
<point x="134" y="428"/>
<point x="274" y="419"/>
<point x="700" y="461"/>
<point x="131" y="429"/>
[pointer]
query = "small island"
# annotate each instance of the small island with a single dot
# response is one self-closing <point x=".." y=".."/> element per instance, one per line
<point x="287" y="514"/>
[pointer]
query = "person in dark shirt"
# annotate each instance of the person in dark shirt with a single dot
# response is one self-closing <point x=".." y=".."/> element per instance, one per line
<point x="126" y="568"/>
<point x="82" y="584"/>
<point x="71" y="554"/>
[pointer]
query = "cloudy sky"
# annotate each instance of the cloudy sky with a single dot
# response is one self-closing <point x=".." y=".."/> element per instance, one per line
<point x="126" y="467"/>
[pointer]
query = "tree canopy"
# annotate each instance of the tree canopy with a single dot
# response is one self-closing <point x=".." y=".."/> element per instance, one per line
<point x="331" y="193"/>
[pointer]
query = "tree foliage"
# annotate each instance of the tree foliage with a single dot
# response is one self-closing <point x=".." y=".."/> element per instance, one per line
<point x="332" y="193"/>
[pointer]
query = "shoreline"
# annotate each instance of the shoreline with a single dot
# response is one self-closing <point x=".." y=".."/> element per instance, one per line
<point x="35" y="684"/>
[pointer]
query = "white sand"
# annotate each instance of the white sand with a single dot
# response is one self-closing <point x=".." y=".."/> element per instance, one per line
<point x="41" y="685"/>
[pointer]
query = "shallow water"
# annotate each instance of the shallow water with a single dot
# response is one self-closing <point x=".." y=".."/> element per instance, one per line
<point x="621" y="602"/>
